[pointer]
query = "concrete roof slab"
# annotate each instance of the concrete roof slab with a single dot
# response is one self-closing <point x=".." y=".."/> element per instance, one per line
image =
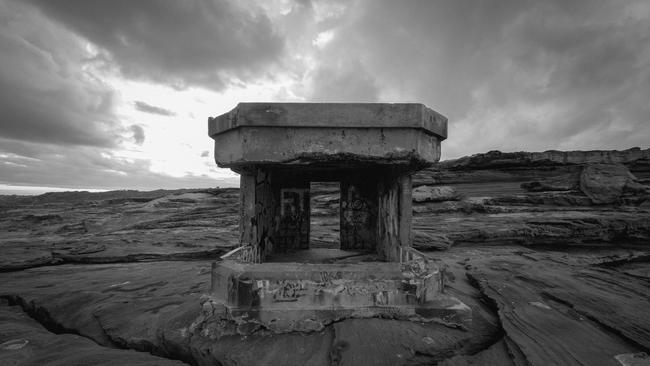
<point x="332" y="115"/>
<point x="406" y="134"/>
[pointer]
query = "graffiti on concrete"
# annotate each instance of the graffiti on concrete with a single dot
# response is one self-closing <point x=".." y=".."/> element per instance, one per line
<point x="294" y="218"/>
<point x="355" y="208"/>
<point x="288" y="291"/>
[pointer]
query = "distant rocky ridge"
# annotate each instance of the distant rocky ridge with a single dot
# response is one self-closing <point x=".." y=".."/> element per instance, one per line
<point x="497" y="159"/>
<point x="496" y="166"/>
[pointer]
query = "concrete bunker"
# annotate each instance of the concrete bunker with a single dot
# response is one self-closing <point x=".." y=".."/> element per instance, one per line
<point x="372" y="150"/>
<point x="374" y="209"/>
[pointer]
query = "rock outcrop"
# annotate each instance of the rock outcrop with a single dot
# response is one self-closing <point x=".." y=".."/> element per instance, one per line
<point x="606" y="183"/>
<point x="498" y="159"/>
<point x="23" y="341"/>
<point x="550" y="250"/>
<point x="119" y="226"/>
<point x="602" y="183"/>
<point x="496" y="166"/>
<point x="435" y="194"/>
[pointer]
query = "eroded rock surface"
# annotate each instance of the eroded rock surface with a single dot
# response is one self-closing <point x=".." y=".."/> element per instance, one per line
<point x="606" y="183"/>
<point x="555" y="314"/>
<point x="23" y="341"/>
<point x="551" y="276"/>
<point x="435" y="194"/>
<point x="550" y="198"/>
<point x="82" y="227"/>
<point x="157" y="307"/>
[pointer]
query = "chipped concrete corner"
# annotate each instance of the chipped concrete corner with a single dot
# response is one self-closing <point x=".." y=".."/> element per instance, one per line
<point x="372" y="150"/>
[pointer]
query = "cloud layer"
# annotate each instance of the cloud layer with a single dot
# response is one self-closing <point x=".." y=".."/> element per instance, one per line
<point x="521" y="75"/>
<point x="177" y="42"/>
<point x="46" y="96"/>
<point x="92" y="89"/>
<point x="148" y="108"/>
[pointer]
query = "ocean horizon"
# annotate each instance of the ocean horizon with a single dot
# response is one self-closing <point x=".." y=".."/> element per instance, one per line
<point x="6" y="189"/>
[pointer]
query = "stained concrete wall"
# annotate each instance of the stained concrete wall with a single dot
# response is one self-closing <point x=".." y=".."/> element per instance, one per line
<point x="358" y="214"/>
<point x="394" y="215"/>
<point x="306" y="145"/>
<point x="293" y="229"/>
<point x="375" y="208"/>
<point x="287" y="297"/>
<point x="370" y="148"/>
<point x="274" y="210"/>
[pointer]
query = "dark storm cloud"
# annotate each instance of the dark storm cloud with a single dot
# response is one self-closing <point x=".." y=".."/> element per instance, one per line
<point x="174" y="42"/>
<point x="511" y="75"/>
<point x="45" y="97"/>
<point x="148" y="108"/>
<point x="138" y="134"/>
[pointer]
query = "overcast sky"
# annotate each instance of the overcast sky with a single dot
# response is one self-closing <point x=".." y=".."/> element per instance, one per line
<point x="116" y="94"/>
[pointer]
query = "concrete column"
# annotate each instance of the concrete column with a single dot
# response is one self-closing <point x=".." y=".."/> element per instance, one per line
<point x="394" y="216"/>
<point x="265" y="209"/>
<point x="405" y="183"/>
<point x="294" y="216"/>
<point x="358" y="209"/>
<point x="247" y="221"/>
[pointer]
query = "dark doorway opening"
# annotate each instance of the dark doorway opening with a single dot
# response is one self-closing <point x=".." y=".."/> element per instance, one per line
<point x="325" y="215"/>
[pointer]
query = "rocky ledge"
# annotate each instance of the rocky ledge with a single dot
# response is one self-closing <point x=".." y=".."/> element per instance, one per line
<point x="550" y="250"/>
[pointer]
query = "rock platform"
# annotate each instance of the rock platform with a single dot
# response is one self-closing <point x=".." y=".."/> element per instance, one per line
<point x="551" y="276"/>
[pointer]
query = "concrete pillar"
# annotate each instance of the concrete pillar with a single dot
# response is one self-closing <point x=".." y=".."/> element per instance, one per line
<point x="358" y="209"/>
<point x="247" y="213"/>
<point x="274" y="210"/>
<point x="294" y="216"/>
<point x="265" y="209"/>
<point x="394" y="215"/>
<point x="405" y="183"/>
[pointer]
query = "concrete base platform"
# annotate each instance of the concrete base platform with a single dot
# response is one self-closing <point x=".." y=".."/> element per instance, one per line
<point x="322" y="255"/>
<point x="285" y="297"/>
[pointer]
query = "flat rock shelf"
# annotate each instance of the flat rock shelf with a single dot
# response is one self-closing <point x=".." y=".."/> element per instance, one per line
<point x="550" y="276"/>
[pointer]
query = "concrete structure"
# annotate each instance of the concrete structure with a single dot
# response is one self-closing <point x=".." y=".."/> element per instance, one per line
<point x="371" y="150"/>
<point x="286" y="297"/>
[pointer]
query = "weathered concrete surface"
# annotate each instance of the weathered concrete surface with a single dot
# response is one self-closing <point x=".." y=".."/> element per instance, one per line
<point x="287" y="297"/>
<point x="328" y="115"/>
<point x="321" y="133"/>
<point x="374" y="205"/>
<point x="304" y="146"/>
<point x="371" y="149"/>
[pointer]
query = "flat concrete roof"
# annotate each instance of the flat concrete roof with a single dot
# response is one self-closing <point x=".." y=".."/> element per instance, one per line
<point x="334" y="115"/>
